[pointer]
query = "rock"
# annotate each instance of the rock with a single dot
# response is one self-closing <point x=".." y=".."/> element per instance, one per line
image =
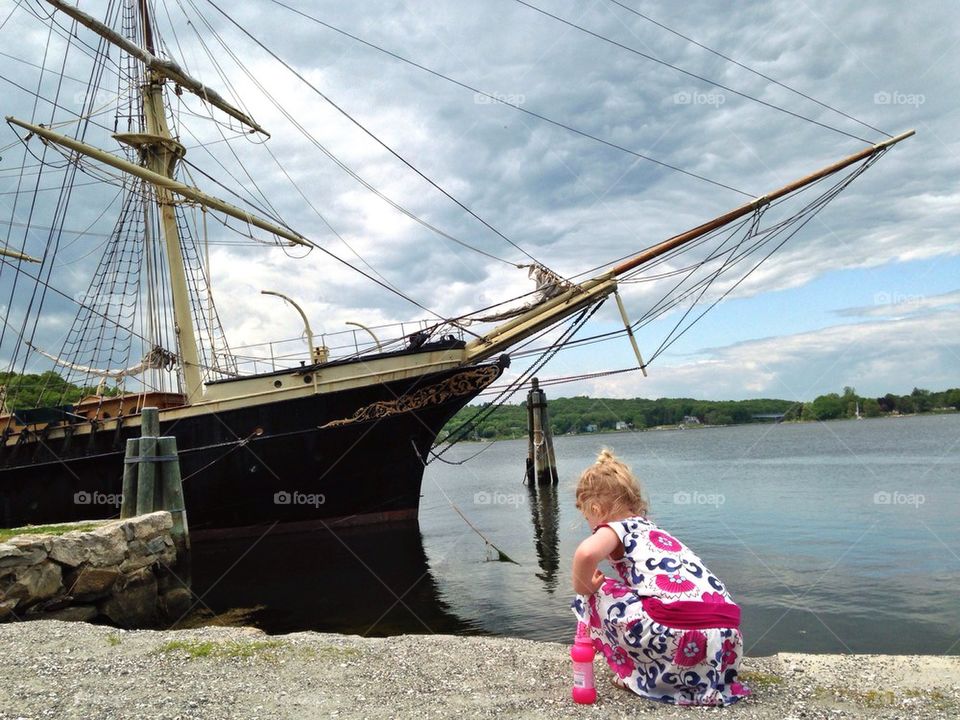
<point x="146" y="527"/>
<point x="141" y="557"/>
<point x="36" y="583"/>
<point x="20" y="551"/>
<point x="101" y="547"/>
<point x="138" y="577"/>
<point x="134" y="605"/>
<point x="75" y="613"/>
<point x="7" y="607"/>
<point x="70" y="549"/>
<point x="128" y="531"/>
<point x="107" y="545"/>
<point x="176" y="603"/>
<point x="157" y="545"/>
<point x="89" y="583"/>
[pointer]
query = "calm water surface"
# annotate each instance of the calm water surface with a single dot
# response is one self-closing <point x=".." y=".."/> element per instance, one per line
<point x="833" y="537"/>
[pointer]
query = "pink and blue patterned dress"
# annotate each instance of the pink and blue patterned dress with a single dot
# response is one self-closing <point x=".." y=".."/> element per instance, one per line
<point x="667" y="628"/>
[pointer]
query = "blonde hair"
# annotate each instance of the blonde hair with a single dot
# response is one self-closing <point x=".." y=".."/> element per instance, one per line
<point x="610" y="483"/>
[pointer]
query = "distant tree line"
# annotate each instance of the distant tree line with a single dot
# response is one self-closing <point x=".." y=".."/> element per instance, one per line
<point x="44" y="390"/>
<point x="834" y="406"/>
<point x="584" y="414"/>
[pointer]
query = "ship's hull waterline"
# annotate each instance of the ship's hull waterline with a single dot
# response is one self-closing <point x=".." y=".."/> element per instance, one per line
<point x="349" y="456"/>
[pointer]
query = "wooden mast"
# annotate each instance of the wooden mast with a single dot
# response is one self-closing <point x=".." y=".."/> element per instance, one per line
<point x="160" y="153"/>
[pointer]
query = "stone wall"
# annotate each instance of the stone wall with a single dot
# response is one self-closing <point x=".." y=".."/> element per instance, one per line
<point x="123" y="572"/>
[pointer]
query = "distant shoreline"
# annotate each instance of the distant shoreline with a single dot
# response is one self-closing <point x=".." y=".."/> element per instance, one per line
<point x="704" y="426"/>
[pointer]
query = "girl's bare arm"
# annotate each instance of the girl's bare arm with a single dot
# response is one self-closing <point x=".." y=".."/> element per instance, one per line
<point x="586" y="578"/>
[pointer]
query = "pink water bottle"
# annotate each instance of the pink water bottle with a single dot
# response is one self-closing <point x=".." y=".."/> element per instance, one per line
<point x="584" y="691"/>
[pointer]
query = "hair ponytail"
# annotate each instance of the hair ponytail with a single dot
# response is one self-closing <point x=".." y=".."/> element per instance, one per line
<point x="610" y="483"/>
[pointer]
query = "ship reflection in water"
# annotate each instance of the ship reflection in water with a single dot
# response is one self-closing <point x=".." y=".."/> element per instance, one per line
<point x="367" y="581"/>
<point x="360" y="580"/>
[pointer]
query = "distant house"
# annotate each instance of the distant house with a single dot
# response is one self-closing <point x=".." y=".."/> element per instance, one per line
<point x="621" y="425"/>
<point x="591" y="428"/>
<point x="691" y="420"/>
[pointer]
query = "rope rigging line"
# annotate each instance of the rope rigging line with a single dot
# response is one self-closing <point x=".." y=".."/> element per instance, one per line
<point x="810" y="212"/>
<point x="460" y="432"/>
<point x="336" y="160"/>
<point x="687" y="72"/>
<point x="794" y="223"/>
<point x="373" y="136"/>
<point x="750" y="69"/>
<point x="503" y="101"/>
<point x="53" y="239"/>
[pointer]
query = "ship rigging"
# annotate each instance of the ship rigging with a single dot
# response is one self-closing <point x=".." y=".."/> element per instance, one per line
<point x="353" y="421"/>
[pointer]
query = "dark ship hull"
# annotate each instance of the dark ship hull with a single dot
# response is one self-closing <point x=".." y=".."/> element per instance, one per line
<point x="349" y="456"/>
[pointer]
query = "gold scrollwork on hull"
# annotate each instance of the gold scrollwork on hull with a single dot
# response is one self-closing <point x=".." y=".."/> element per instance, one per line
<point x="463" y="383"/>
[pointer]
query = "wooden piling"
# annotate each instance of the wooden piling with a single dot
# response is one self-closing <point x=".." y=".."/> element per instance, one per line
<point x="152" y="480"/>
<point x="147" y="468"/>
<point x="171" y="486"/>
<point x="128" y="506"/>
<point x="146" y="476"/>
<point x="541" y="460"/>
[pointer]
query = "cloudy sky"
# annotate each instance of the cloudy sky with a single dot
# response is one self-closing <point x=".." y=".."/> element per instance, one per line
<point x="867" y="294"/>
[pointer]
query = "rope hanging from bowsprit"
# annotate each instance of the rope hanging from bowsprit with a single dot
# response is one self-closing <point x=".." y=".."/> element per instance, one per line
<point x="549" y="286"/>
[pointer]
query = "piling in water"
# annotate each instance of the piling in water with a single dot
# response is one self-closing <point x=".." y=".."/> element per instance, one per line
<point x="541" y="460"/>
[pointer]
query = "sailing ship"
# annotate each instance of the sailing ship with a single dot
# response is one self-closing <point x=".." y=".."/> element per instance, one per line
<point x="331" y="438"/>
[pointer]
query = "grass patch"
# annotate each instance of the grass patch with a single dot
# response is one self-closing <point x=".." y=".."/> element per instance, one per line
<point x="211" y="649"/>
<point x="113" y="640"/>
<point x="878" y="699"/>
<point x="7" y="533"/>
<point x="759" y="679"/>
<point x="330" y="653"/>
<point x="267" y="649"/>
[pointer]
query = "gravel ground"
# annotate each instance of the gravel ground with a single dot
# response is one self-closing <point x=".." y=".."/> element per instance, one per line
<point x="75" y="670"/>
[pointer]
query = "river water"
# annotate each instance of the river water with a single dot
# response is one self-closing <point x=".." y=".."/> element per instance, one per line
<point x="833" y="537"/>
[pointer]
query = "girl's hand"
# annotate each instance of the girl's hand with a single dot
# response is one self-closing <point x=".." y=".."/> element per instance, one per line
<point x="597" y="580"/>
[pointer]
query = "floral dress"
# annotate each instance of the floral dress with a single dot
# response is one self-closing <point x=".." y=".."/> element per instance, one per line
<point x="667" y="628"/>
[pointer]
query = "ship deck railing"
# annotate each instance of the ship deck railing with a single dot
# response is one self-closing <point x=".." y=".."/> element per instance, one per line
<point x="289" y="353"/>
